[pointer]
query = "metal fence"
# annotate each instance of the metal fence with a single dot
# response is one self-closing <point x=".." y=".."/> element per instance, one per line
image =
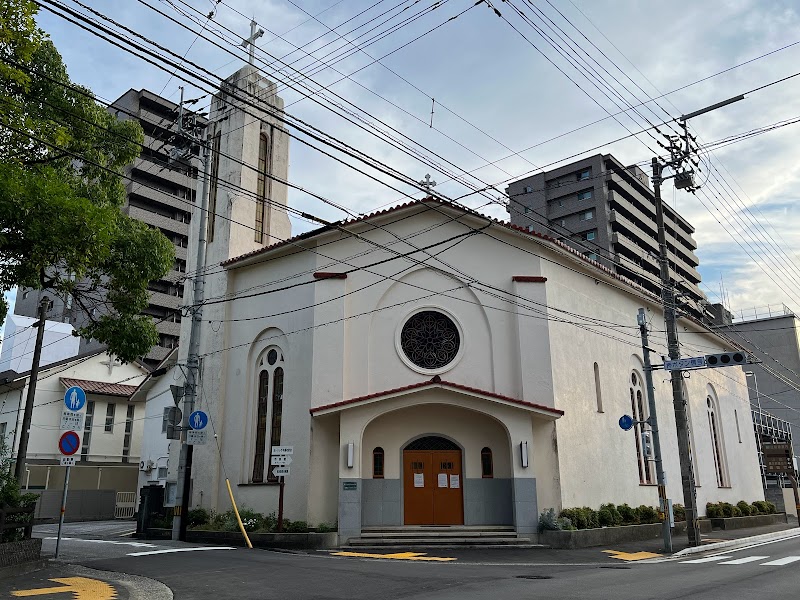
<point x="125" y="506"/>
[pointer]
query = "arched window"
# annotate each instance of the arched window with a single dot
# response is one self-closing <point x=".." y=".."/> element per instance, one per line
<point x="377" y="463"/>
<point x="640" y="413"/>
<point x="212" y="196"/>
<point x="487" y="467"/>
<point x="597" y="392"/>
<point x="269" y="411"/>
<point x="264" y="186"/>
<point x="717" y="449"/>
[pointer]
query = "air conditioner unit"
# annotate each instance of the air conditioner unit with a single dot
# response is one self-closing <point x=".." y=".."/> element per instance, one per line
<point x="146" y="465"/>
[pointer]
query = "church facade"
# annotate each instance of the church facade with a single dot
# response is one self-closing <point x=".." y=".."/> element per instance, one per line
<point x="431" y="366"/>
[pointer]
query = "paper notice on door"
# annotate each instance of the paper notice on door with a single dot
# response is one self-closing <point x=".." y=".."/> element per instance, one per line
<point x="443" y="480"/>
<point x="419" y="480"/>
<point x="454" y="481"/>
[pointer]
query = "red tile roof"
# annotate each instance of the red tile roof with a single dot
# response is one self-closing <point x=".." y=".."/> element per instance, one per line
<point x="100" y="387"/>
<point x="436" y="382"/>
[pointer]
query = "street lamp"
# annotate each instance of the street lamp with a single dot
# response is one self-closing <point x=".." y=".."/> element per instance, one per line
<point x="758" y="396"/>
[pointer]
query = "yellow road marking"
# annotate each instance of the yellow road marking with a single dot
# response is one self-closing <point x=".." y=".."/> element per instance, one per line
<point x="631" y="555"/>
<point x="83" y="588"/>
<point x="397" y="556"/>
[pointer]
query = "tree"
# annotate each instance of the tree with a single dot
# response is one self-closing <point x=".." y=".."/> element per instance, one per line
<point x="61" y="162"/>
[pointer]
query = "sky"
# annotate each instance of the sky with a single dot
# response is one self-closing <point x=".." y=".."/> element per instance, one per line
<point x="497" y="87"/>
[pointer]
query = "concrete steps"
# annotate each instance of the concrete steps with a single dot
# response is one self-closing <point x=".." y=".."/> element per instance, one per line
<point x="437" y="536"/>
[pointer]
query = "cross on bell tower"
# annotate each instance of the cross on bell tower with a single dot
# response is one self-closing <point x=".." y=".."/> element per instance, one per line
<point x="251" y="41"/>
<point x="428" y="184"/>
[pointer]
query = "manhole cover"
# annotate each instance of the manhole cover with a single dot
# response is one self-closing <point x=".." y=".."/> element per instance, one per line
<point x="534" y="577"/>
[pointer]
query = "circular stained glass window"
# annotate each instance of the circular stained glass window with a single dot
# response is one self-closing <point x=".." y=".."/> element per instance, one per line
<point x="430" y="339"/>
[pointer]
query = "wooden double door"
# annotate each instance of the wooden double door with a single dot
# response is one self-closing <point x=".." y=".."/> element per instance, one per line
<point x="432" y="487"/>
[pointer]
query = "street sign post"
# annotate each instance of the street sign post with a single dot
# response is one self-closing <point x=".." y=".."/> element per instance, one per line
<point x="778" y="458"/>
<point x="74" y="398"/>
<point x="71" y="421"/>
<point x="198" y="420"/>
<point x="281" y="456"/>
<point x="68" y="444"/>
<point x="682" y="364"/>
<point x="195" y="438"/>
<point x="626" y="422"/>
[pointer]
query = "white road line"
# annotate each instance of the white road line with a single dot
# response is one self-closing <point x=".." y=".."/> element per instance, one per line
<point x="781" y="561"/>
<point x="704" y="560"/>
<point x="741" y="561"/>
<point x="91" y="541"/>
<point x="171" y="550"/>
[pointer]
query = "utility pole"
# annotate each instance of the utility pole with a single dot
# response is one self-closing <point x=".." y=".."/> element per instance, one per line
<point x="680" y="152"/>
<point x="193" y="359"/>
<point x="653" y="422"/>
<point x="22" y="450"/>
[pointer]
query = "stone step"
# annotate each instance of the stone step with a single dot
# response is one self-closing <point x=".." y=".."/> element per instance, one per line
<point x="389" y="528"/>
<point x="442" y="541"/>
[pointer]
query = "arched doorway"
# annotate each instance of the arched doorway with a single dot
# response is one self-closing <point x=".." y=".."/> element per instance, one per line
<point x="432" y="482"/>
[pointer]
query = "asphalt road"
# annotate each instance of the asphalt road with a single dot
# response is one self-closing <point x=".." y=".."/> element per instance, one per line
<point x="764" y="571"/>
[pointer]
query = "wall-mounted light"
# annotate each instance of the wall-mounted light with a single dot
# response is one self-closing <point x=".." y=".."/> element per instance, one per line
<point x="523" y="454"/>
<point x="350" y="454"/>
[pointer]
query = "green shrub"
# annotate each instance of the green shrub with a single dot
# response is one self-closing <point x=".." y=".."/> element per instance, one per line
<point x="592" y="519"/>
<point x="565" y="524"/>
<point x="737" y="512"/>
<point x="772" y="508"/>
<point x="197" y="517"/>
<point x="331" y="527"/>
<point x="647" y="514"/>
<point x="713" y="511"/>
<point x="628" y="514"/>
<point x="763" y="507"/>
<point x="547" y="521"/>
<point x="727" y="509"/>
<point x="12" y="497"/>
<point x="296" y="527"/>
<point x="161" y="523"/>
<point x="575" y="517"/>
<point x="744" y="507"/>
<point x="754" y="510"/>
<point x="609" y="516"/>
<point x="678" y="512"/>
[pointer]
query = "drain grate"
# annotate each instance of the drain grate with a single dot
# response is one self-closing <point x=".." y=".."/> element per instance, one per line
<point x="534" y="577"/>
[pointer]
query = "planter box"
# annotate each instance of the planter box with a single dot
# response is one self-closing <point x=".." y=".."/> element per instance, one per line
<point x="747" y="522"/>
<point x="586" y="538"/>
<point x="15" y="553"/>
<point x="287" y="541"/>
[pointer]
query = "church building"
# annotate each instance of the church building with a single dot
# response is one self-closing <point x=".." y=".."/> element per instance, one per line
<point x="429" y="365"/>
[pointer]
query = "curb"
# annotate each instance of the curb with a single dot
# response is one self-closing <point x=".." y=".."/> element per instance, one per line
<point x="138" y="588"/>
<point x="764" y="537"/>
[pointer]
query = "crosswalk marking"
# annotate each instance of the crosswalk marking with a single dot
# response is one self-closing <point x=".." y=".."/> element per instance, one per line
<point x="781" y="561"/>
<point x="741" y="561"/>
<point x="704" y="560"/>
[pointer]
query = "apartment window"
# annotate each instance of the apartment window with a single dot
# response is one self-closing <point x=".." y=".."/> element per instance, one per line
<point x="377" y="463"/>
<point x="590" y="255"/>
<point x="717" y="449"/>
<point x="487" y="466"/>
<point x="87" y="430"/>
<point x="109" y="426"/>
<point x="162" y="472"/>
<point x="562" y="222"/>
<point x="584" y="174"/>
<point x="585" y="195"/>
<point x="587" y="215"/>
<point x="527" y="210"/>
<point x="590" y="235"/>
<point x="528" y="189"/>
<point x="3" y="428"/>
<point x="126" y="441"/>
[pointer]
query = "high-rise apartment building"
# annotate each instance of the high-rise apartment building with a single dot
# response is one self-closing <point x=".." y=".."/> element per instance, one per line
<point x="606" y="211"/>
<point x="159" y="193"/>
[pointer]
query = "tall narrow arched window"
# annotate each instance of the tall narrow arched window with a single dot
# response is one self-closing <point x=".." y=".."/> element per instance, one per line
<point x="269" y="413"/>
<point x="377" y="463"/>
<point x="212" y="196"/>
<point x="717" y="447"/>
<point x="487" y="466"/>
<point x="640" y="413"/>
<point x="598" y="394"/>
<point x="261" y="426"/>
<point x="262" y="192"/>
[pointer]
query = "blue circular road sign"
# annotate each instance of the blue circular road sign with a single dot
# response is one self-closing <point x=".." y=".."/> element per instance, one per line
<point x="69" y="443"/>
<point x="626" y="422"/>
<point x="198" y="420"/>
<point x="74" y="398"/>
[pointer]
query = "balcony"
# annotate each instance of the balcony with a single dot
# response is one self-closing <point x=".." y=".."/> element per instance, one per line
<point x="163" y="198"/>
<point x="156" y="220"/>
<point x="165" y="300"/>
<point x="144" y="169"/>
<point x="168" y="327"/>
